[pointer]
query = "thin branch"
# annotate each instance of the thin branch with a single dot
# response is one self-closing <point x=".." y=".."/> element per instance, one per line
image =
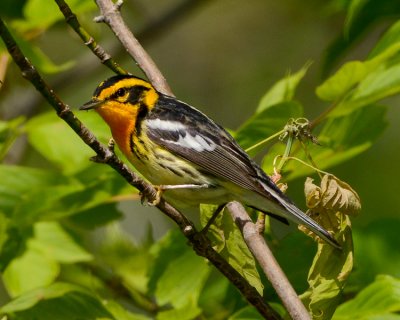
<point x="256" y="243"/>
<point x="199" y="242"/>
<point x="89" y="41"/>
<point x="4" y="57"/>
<point x="110" y="14"/>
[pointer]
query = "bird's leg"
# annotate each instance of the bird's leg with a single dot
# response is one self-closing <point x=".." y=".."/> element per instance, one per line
<point x="213" y="217"/>
<point x="161" y="188"/>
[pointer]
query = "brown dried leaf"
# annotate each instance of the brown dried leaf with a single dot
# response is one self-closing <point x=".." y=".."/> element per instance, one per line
<point x="337" y="195"/>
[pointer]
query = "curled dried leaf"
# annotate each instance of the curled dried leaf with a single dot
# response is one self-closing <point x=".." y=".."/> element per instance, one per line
<point x="330" y="204"/>
<point x="338" y="195"/>
<point x="334" y="194"/>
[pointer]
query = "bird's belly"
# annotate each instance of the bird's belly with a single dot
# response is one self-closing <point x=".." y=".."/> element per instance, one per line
<point x="175" y="172"/>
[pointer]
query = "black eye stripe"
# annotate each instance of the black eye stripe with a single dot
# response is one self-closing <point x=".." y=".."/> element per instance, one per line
<point x="134" y="96"/>
<point x="136" y="93"/>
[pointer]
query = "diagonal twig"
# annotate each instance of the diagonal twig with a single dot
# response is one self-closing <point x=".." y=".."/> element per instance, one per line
<point x="89" y="41"/>
<point x="257" y="246"/>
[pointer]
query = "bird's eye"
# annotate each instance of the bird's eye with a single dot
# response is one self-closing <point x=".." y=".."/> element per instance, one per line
<point x="120" y="92"/>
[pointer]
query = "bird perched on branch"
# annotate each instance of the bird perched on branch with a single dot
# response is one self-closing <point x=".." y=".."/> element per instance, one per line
<point x="182" y="151"/>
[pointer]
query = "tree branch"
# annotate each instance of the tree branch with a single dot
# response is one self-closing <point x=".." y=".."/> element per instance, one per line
<point x="89" y="41"/>
<point x="110" y="14"/>
<point x="199" y="242"/>
<point x="256" y="243"/>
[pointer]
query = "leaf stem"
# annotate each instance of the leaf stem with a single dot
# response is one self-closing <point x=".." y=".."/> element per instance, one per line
<point x="265" y="140"/>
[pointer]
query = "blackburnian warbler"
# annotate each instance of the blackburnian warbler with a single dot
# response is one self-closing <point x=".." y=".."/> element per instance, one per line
<point x="176" y="146"/>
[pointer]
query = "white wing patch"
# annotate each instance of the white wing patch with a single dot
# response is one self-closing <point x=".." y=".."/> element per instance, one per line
<point x="165" y="125"/>
<point x="197" y="142"/>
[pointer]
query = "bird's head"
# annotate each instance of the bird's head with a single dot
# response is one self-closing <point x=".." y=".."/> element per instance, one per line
<point x="122" y="97"/>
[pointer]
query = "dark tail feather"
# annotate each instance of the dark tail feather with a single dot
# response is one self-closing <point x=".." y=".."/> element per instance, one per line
<point x="296" y="215"/>
<point x="303" y="219"/>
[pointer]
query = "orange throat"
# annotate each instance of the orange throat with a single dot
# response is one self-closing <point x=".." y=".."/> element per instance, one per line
<point x="121" y="125"/>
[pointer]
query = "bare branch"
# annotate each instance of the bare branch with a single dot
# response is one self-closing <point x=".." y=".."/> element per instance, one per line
<point x="89" y="41"/>
<point x="110" y="14"/>
<point x="199" y="242"/>
<point x="268" y="263"/>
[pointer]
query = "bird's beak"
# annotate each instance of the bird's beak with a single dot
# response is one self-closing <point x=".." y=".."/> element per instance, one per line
<point x="92" y="104"/>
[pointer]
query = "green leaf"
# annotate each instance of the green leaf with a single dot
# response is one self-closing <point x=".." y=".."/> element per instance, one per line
<point x="283" y="90"/>
<point x="377" y="301"/>
<point x="363" y="15"/>
<point x="352" y="73"/>
<point x="59" y="301"/>
<point x="188" y="311"/>
<point x="128" y="260"/>
<point x="353" y="11"/>
<point x="167" y="249"/>
<point x="191" y="272"/>
<point x="53" y="241"/>
<point x="40" y="14"/>
<point x="18" y="182"/>
<point x="391" y="37"/>
<point x="120" y="313"/>
<point x="328" y="274"/>
<point x="234" y="249"/>
<point x="30" y="270"/>
<point x="215" y="232"/>
<point x="96" y="216"/>
<point x="12" y="8"/>
<point x="247" y="313"/>
<point x="55" y="140"/>
<point x="342" y="81"/>
<point x="266" y="123"/>
<point x="38" y="265"/>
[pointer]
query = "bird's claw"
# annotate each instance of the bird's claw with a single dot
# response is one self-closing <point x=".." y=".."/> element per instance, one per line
<point x="156" y="197"/>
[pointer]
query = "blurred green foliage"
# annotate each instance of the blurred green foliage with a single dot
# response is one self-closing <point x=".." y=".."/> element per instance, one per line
<point x="63" y="253"/>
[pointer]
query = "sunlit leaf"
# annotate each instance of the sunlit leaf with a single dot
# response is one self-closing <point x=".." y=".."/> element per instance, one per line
<point x="18" y="182"/>
<point x="58" y="143"/>
<point x="342" y="81"/>
<point x="283" y="90"/>
<point x="173" y="264"/>
<point x="54" y="242"/>
<point x="247" y="313"/>
<point x="59" y="301"/>
<point x="391" y="36"/>
<point x="121" y="313"/>
<point x="129" y="262"/>
<point x="232" y="247"/>
<point x="41" y="14"/>
<point x="187" y="312"/>
<point x="30" y="270"/>
<point x="362" y="16"/>
<point x="352" y="73"/>
<point x="379" y="300"/>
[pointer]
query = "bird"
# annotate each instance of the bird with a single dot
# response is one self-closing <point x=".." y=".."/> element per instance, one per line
<point x="190" y="157"/>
